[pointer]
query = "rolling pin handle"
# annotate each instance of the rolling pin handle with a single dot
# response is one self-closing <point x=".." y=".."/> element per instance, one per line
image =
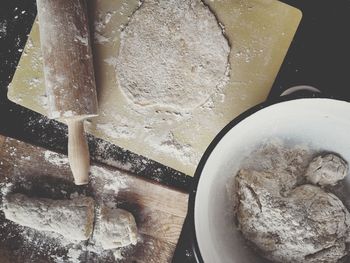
<point x="78" y="151"/>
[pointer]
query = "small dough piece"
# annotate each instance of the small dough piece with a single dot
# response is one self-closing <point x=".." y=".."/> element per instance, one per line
<point x="72" y="219"/>
<point x="115" y="228"/>
<point x="308" y="225"/>
<point x="172" y="54"/>
<point x="327" y="170"/>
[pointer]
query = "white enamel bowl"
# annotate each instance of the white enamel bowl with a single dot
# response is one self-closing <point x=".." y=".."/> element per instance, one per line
<point x="323" y="124"/>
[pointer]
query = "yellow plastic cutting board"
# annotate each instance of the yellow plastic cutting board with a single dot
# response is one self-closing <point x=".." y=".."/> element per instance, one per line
<point x="260" y="32"/>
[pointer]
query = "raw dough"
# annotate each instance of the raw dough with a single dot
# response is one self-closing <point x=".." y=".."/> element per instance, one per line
<point x="285" y="163"/>
<point x="327" y="170"/>
<point x="172" y="53"/>
<point x="308" y="225"/>
<point x="70" y="218"/>
<point x="115" y="228"/>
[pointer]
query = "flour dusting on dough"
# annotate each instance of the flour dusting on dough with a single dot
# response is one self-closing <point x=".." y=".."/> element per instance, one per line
<point x="172" y="53"/>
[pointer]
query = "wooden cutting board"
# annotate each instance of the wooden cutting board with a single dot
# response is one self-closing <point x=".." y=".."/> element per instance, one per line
<point x="260" y="32"/>
<point x="159" y="211"/>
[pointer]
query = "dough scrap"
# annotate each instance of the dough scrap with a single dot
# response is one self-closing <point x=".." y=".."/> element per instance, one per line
<point x="327" y="170"/>
<point x="307" y="225"/>
<point x="172" y="53"/>
<point x="115" y="228"/>
<point x="71" y="218"/>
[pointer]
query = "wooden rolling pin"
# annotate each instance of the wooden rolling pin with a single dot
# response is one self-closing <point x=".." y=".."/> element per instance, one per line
<point x="69" y="74"/>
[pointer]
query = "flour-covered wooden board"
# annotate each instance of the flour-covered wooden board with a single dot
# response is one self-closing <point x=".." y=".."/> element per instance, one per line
<point x="159" y="211"/>
<point x="258" y="32"/>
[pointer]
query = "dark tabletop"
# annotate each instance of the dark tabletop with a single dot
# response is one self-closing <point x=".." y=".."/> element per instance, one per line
<point x="319" y="56"/>
<point x="320" y="53"/>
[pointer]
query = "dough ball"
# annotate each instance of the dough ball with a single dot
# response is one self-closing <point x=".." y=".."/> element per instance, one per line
<point x="308" y="225"/>
<point x="172" y="54"/>
<point x="327" y="170"/>
<point x="115" y="228"/>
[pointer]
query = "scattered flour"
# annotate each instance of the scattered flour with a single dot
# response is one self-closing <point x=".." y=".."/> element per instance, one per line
<point x="121" y="131"/>
<point x="100" y="39"/>
<point x="3" y="29"/>
<point x="101" y="149"/>
<point x="169" y="145"/>
<point x="34" y="82"/>
<point x="55" y="158"/>
<point x="5" y="188"/>
<point x="82" y="39"/>
<point x="102" y="20"/>
<point x="107" y="183"/>
<point x="73" y="255"/>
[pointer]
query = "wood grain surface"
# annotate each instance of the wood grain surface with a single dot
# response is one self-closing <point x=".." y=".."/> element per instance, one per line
<point x="159" y="210"/>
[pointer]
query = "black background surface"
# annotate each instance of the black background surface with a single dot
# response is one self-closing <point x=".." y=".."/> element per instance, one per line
<point x="320" y="52"/>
